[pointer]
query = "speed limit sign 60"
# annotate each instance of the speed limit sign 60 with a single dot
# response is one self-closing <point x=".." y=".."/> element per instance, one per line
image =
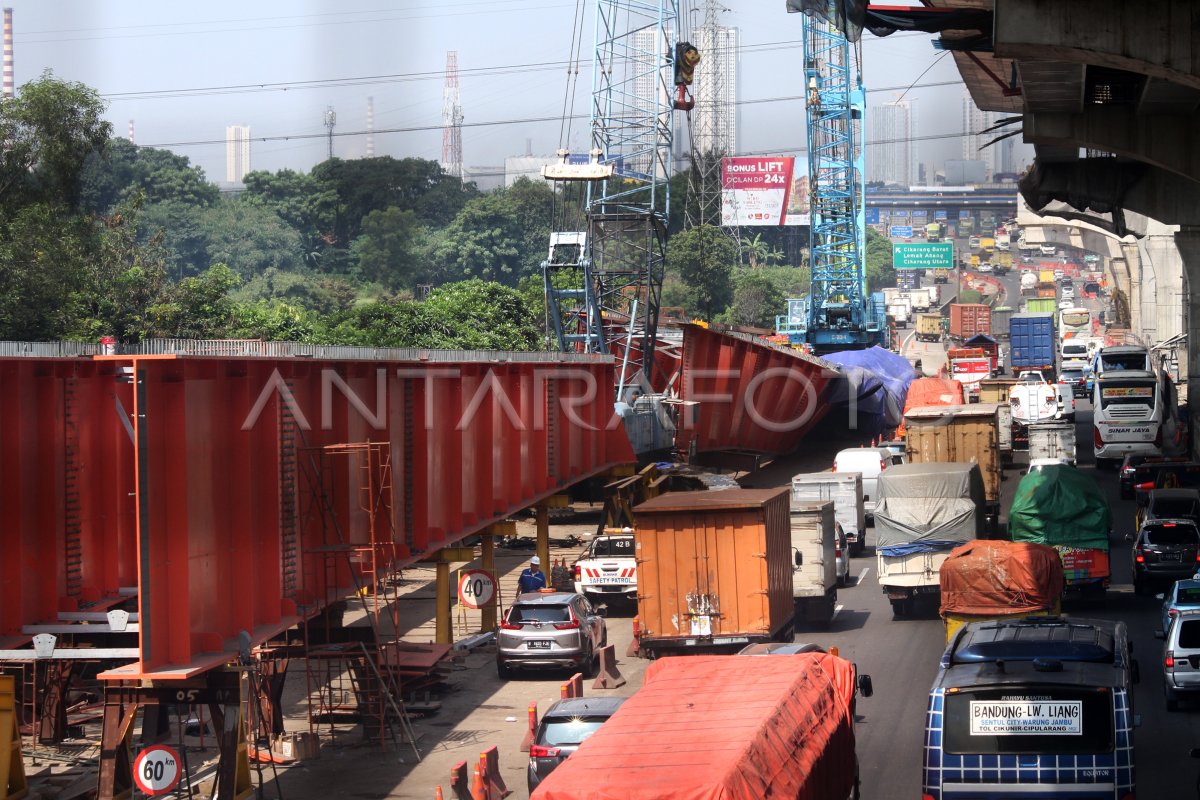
<point x="476" y="588"/>
<point x="156" y="769"/>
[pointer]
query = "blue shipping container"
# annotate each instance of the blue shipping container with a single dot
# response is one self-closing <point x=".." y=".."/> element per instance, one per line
<point x="1031" y="341"/>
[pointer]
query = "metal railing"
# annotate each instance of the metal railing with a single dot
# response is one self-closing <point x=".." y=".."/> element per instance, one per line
<point x="255" y="348"/>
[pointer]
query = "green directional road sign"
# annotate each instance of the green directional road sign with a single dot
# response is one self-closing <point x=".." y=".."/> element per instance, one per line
<point x="923" y="255"/>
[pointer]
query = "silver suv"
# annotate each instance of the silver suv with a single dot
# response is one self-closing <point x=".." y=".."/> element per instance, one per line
<point x="1181" y="658"/>
<point x="550" y="630"/>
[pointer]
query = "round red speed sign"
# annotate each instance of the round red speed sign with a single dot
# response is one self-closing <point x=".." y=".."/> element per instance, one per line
<point x="156" y="769"/>
<point x="476" y="588"/>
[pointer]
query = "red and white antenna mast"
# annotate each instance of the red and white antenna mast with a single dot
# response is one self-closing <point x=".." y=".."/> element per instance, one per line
<point x="452" y="118"/>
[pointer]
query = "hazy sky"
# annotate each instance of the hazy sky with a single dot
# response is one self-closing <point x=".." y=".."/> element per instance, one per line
<point x="183" y="72"/>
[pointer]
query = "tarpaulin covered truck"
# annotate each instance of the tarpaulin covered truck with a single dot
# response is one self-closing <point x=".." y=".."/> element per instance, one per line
<point x="966" y="434"/>
<point x="923" y="512"/>
<point x="995" y="579"/>
<point x="714" y="570"/>
<point x="723" y="728"/>
<point x="1062" y="507"/>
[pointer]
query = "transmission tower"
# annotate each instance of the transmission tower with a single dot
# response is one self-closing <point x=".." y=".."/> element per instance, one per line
<point x="452" y="119"/>
<point x="330" y="122"/>
<point x="712" y="120"/>
<point x="370" y="127"/>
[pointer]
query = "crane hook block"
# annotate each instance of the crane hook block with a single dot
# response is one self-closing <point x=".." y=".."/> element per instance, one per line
<point x="683" y="99"/>
<point x="686" y="59"/>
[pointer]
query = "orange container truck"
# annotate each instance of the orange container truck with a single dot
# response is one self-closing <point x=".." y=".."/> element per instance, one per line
<point x="744" y="727"/>
<point x="714" y="570"/>
<point x="995" y="579"/>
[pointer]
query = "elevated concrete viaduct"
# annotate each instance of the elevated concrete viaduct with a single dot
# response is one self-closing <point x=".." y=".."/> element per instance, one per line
<point x="1109" y="94"/>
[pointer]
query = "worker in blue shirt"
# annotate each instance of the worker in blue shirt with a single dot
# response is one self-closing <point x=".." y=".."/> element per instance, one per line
<point x="532" y="578"/>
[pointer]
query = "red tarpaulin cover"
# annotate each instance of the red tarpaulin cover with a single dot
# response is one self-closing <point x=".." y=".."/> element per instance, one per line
<point x="993" y="577"/>
<point x="932" y="392"/>
<point x="721" y="728"/>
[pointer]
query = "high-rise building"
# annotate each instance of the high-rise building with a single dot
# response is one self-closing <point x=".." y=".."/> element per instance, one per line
<point x="715" y="88"/>
<point x="996" y="158"/>
<point x="237" y="153"/>
<point x="891" y="154"/>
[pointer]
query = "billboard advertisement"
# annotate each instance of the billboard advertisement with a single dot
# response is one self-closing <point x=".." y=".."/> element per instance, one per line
<point x="763" y="191"/>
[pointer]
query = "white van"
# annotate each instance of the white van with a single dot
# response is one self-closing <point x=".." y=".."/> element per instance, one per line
<point x="869" y="462"/>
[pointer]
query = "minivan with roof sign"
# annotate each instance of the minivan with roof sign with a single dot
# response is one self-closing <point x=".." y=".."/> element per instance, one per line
<point x="1038" y="707"/>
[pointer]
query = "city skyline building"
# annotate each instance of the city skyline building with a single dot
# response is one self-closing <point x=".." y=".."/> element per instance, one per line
<point x="716" y="89"/>
<point x="237" y="152"/>
<point x="891" y="152"/>
<point x="997" y="158"/>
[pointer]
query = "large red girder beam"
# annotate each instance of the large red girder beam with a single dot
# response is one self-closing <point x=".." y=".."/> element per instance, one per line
<point x="740" y="392"/>
<point x="210" y="485"/>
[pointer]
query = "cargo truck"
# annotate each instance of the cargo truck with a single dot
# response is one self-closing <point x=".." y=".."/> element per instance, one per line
<point x="714" y="570"/>
<point x="899" y="312"/>
<point x="1047" y="289"/>
<point x="933" y="232"/>
<point x="923" y="512"/>
<point x="845" y="491"/>
<point x="1029" y="284"/>
<point x="908" y="279"/>
<point x="968" y="366"/>
<point x="743" y="727"/>
<point x="963" y="434"/>
<point x="1031" y="343"/>
<point x="1039" y="305"/>
<point x="814" y="562"/>
<point x="1052" y="441"/>
<point x="929" y="327"/>
<point x="920" y="299"/>
<point x="1060" y="506"/>
<point x="995" y="579"/>
<point x="1001" y="316"/>
<point x="969" y="319"/>
<point x="941" y="275"/>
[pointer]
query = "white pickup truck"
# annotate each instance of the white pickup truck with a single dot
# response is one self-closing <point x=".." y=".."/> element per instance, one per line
<point x="608" y="568"/>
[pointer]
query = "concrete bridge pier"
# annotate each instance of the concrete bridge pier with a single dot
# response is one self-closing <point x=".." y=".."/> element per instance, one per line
<point x="1187" y="239"/>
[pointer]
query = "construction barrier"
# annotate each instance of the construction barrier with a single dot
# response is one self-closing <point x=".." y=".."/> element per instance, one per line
<point x="489" y="765"/>
<point x="530" y="728"/>
<point x="460" y="788"/>
<point x="573" y="687"/>
<point x="12" y="767"/>
<point x="478" y="787"/>
<point x="609" y="677"/>
<point x="633" y="650"/>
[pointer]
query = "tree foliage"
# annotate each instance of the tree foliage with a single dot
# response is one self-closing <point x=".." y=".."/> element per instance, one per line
<point x="702" y="259"/>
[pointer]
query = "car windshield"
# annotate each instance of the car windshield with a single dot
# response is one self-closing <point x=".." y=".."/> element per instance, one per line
<point x="1071" y="375"/>
<point x="539" y="613"/>
<point x="622" y="546"/>
<point x="1172" y="533"/>
<point x="1116" y="361"/>
<point x="569" y="730"/>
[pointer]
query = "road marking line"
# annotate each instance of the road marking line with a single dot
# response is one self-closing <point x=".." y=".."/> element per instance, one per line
<point x="862" y="576"/>
<point x="836" y="610"/>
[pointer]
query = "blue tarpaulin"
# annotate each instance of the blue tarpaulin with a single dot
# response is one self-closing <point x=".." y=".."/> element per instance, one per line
<point x="877" y="381"/>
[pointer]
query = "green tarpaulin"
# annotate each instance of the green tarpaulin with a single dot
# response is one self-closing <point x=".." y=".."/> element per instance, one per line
<point x="1059" y="505"/>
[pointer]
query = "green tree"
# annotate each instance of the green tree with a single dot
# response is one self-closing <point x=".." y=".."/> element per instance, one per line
<point x="197" y="307"/>
<point x="484" y="241"/>
<point x="50" y="130"/>
<point x="702" y="260"/>
<point x="123" y="170"/>
<point x="386" y="250"/>
<point x="880" y="273"/>
<point x="756" y="299"/>
<point x="249" y="239"/>
<point x="44" y="253"/>
<point x="483" y="315"/>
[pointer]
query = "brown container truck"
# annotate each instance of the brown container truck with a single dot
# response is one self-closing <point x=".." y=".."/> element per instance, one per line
<point x="964" y="434"/>
<point x="970" y="319"/>
<point x="714" y="570"/>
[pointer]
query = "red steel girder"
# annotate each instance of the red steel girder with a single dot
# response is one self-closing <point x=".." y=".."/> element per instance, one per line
<point x="741" y="392"/>
<point x="473" y="441"/>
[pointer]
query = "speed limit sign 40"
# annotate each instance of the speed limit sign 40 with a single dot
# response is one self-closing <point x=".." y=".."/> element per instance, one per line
<point x="476" y="588"/>
<point x="156" y="769"/>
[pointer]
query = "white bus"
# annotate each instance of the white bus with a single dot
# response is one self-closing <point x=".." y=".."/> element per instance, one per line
<point x="1134" y="411"/>
<point x="1074" y="322"/>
